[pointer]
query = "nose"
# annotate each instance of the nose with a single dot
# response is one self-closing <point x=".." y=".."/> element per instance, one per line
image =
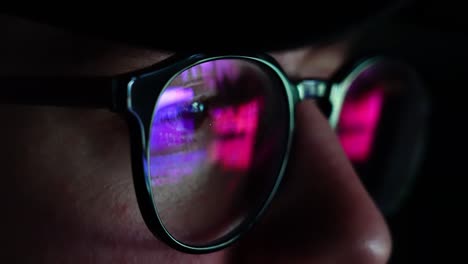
<point x="322" y="213"/>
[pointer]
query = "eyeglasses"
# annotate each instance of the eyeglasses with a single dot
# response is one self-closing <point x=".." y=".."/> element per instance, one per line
<point x="211" y="134"/>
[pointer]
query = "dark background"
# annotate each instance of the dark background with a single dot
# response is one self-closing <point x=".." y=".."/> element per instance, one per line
<point x="433" y="38"/>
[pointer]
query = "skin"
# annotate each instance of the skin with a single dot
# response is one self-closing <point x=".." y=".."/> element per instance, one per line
<point x="66" y="179"/>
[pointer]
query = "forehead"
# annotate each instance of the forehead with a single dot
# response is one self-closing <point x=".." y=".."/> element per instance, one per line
<point x="30" y="48"/>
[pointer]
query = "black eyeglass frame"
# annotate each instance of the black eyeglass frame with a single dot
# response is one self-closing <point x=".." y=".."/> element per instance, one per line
<point x="117" y="94"/>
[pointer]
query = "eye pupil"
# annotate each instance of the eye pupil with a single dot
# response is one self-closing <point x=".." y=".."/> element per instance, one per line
<point x="196" y="112"/>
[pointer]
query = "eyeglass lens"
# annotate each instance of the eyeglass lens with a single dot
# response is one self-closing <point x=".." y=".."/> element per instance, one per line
<point x="217" y="141"/>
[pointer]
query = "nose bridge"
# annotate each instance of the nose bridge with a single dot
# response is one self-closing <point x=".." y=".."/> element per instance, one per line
<point x="311" y="89"/>
<point x="332" y="93"/>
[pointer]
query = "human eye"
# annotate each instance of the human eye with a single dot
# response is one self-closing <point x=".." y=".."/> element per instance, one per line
<point x="180" y="123"/>
<point x="181" y="118"/>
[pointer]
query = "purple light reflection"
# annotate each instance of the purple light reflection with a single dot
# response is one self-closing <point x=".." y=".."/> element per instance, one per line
<point x="174" y="95"/>
<point x="171" y="134"/>
<point x="172" y="168"/>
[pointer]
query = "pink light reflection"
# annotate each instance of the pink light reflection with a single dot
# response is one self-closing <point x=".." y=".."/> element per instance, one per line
<point x="235" y="129"/>
<point x="358" y="122"/>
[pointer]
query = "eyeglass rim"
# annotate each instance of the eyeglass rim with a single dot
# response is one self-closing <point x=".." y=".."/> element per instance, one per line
<point x="143" y="188"/>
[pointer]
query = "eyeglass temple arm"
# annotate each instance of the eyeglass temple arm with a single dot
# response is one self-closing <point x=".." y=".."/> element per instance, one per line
<point x="75" y="92"/>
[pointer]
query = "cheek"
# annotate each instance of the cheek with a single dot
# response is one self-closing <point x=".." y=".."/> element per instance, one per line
<point x="67" y="176"/>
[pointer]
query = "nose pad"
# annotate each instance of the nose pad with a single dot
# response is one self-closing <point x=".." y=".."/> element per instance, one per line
<point x="322" y="214"/>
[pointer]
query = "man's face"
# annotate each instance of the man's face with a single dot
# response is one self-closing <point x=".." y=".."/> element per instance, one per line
<point x="67" y="192"/>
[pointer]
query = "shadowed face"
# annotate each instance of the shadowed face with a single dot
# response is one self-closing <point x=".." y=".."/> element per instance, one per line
<point x="67" y="187"/>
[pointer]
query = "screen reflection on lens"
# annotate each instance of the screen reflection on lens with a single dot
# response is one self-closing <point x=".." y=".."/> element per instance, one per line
<point x="208" y="143"/>
<point x="358" y="123"/>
